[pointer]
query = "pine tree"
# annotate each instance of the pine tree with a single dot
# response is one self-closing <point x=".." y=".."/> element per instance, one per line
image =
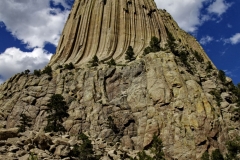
<point x="47" y="70"/>
<point x="205" y="156"/>
<point x="130" y="54"/>
<point x="156" y="147"/>
<point x="57" y="110"/>
<point x="25" y="121"/>
<point x="111" y="62"/>
<point x="217" y="155"/>
<point x="85" y="150"/>
<point x="155" y="44"/>
<point x="94" y="61"/>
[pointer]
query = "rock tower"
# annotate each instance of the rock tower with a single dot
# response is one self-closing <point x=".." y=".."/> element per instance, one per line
<point x="176" y="93"/>
<point x="107" y="27"/>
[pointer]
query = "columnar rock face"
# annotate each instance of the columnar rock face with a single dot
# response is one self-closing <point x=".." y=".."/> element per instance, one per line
<point x="107" y="27"/>
<point x="174" y="93"/>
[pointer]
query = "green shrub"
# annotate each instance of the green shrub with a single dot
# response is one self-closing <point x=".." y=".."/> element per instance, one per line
<point x="209" y="66"/>
<point x="171" y="42"/>
<point x="198" y="56"/>
<point x="156" y="147"/>
<point x="111" y="62"/>
<point x="147" y="50"/>
<point x="130" y="54"/>
<point x="85" y="150"/>
<point x="37" y="72"/>
<point x="217" y="155"/>
<point x="69" y="66"/>
<point x="222" y="76"/>
<point x="57" y="110"/>
<point x="217" y="96"/>
<point x="94" y="61"/>
<point x="25" y="121"/>
<point x="154" y="46"/>
<point x="205" y="156"/>
<point x="27" y="71"/>
<point x="32" y="156"/>
<point x="233" y="148"/>
<point x="47" y="70"/>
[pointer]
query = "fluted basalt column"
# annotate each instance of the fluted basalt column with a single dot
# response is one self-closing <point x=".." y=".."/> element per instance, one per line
<point x="106" y="28"/>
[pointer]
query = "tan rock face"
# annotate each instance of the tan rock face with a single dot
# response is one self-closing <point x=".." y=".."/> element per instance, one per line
<point x="122" y="107"/>
<point x="152" y="95"/>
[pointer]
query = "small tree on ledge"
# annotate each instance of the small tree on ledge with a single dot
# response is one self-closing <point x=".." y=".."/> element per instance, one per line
<point x="130" y="54"/>
<point x="25" y="121"/>
<point x="94" y="61"/>
<point x="57" y="110"/>
<point x="111" y="62"/>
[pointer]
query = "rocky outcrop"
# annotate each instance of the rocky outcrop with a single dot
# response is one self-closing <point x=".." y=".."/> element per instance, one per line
<point x="155" y="94"/>
<point x="174" y="93"/>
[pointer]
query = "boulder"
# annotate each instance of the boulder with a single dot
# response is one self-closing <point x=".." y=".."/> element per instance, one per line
<point x="8" y="133"/>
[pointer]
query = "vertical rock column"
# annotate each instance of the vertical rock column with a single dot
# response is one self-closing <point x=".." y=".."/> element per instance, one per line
<point x="106" y="29"/>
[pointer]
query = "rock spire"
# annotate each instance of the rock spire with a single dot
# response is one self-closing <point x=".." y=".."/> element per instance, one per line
<point x="107" y="27"/>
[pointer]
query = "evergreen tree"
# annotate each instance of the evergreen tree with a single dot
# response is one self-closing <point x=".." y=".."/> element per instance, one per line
<point x="130" y="54"/>
<point x="25" y="121"/>
<point x="233" y="148"/>
<point x="111" y="62"/>
<point x="217" y="155"/>
<point x="205" y="156"/>
<point x="57" y="110"/>
<point x="69" y="66"/>
<point x="94" y="61"/>
<point x="26" y="71"/>
<point x="85" y="150"/>
<point x="156" y="147"/>
<point x="155" y="44"/>
<point x="47" y="70"/>
<point x="147" y="50"/>
<point x="37" y="73"/>
<point x="222" y="76"/>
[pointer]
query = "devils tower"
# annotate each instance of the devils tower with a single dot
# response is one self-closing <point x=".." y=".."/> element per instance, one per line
<point x="106" y="29"/>
<point x="176" y="93"/>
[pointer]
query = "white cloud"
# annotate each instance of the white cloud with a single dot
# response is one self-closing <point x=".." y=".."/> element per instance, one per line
<point x="13" y="61"/>
<point x="33" y="21"/>
<point x="188" y="13"/>
<point x="218" y="7"/>
<point x="185" y="12"/>
<point x="234" y="39"/>
<point x="206" y="39"/>
<point x="229" y="25"/>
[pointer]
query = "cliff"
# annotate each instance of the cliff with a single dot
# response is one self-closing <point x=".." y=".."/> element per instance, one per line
<point x="174" y="93"/>
<point x="106" y="28"/>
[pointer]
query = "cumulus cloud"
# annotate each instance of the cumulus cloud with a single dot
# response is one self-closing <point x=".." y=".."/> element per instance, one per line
<point x="206" y="39"/>
<point x="235" y="39"/>
<point x="218" y="7"/>
<point x="13" y="61"/>
<point x="190" y="14"/>
<point x="34" y="22"/>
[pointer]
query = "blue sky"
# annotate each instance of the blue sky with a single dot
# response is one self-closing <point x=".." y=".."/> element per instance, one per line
<point x="30" y="29"/>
